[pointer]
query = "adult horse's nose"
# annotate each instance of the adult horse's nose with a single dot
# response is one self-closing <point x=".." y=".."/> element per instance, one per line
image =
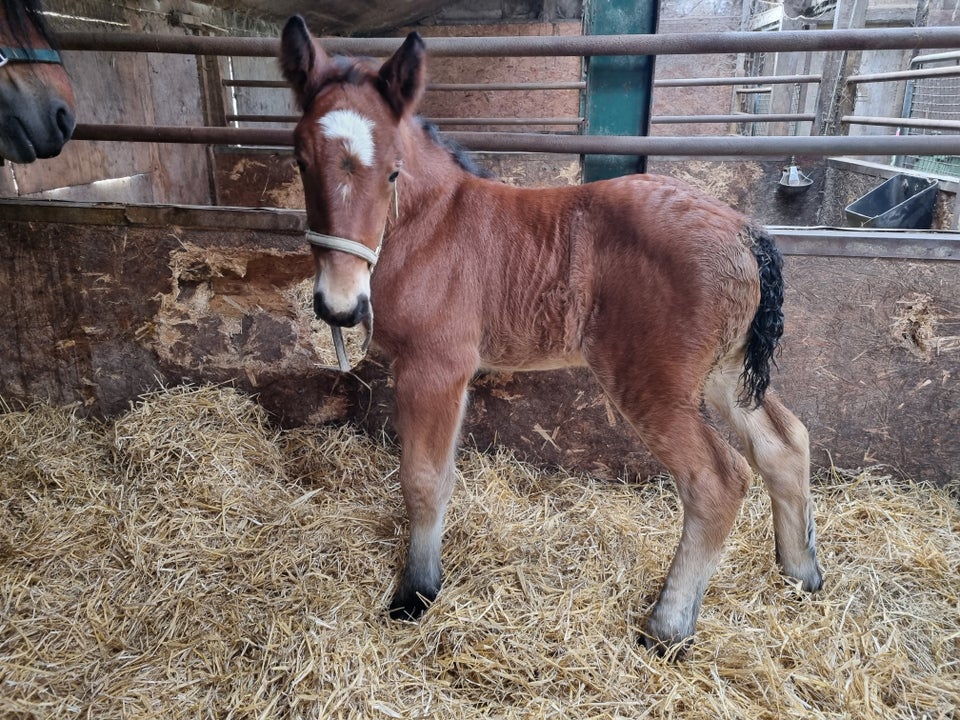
<point x="59" y="126"/>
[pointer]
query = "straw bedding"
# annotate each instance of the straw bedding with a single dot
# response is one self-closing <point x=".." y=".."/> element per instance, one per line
<point x="189" y="561"/>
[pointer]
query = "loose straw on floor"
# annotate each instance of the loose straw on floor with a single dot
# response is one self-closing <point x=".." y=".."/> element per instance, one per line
<point x="189" y="561"/>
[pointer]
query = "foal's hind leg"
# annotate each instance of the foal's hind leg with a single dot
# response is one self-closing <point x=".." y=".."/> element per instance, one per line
<point x="777" y="446"/>
<point x="430" y="400"/>
<point x="711" y="478"/>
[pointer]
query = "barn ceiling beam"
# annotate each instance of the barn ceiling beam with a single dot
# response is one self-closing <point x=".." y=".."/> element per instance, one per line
<point x="586" y="45"/>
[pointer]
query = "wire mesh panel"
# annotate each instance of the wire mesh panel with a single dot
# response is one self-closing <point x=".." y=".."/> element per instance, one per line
<point x="753" y="100"/>
<point x="938" y="99"/>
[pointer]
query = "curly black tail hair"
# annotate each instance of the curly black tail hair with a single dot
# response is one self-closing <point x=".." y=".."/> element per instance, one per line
<point x="767" y="326"/>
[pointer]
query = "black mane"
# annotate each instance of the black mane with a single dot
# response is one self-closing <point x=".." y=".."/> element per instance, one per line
<point x="21" y="14"/>
<point x="459" y="153"/>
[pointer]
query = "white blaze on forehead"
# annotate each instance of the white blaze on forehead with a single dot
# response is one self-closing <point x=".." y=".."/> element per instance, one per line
<point x="354" y="129"/>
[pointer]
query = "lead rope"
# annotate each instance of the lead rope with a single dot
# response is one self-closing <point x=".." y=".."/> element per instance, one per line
<point x="354" y="248"/>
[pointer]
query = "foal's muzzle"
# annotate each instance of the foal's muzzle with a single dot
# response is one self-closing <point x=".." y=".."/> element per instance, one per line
<point x="360" y="311"/>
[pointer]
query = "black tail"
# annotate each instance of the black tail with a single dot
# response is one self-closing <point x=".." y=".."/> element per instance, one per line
<point x="767" y="326"/>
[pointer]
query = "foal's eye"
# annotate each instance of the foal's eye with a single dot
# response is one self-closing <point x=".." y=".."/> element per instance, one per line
<point x="394" y="175"/>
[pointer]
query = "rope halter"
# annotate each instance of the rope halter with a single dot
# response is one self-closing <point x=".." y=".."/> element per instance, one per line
<point x="352" y="247"/>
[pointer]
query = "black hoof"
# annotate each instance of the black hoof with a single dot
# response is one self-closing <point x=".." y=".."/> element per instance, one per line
<point x="814" y="584"/>
<point x="669" y="650"/>
<point x="411" y="605"/>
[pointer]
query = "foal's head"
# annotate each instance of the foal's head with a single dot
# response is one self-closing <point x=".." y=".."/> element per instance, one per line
<point x="349" y="149"/>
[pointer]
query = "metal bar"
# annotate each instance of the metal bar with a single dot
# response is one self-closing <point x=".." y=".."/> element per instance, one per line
<point x="185" y="135"/>
<point x="437" y="87"/>
<point x="256" y="83"/>
<point x="435" y="121"/>
<point x="936" y="57"/>
<point x="864" y="242"/>
<point x="904" y="75"/>
<point x="728" y="145"/>
<point x="584" y="45"/>
<point x="578" y="85"/>
<point x="760" y="80"/>
<point x="733" y="146"/>
<point x="445" y="87"/>
<point x="922" y="123"/>
<point x="734" y="118"/>
<point x="263" y="118"/>
<point x="506" y="121"/>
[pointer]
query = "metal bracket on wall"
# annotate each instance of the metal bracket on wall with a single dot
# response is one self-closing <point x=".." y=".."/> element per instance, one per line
<point x="619" y="87"/>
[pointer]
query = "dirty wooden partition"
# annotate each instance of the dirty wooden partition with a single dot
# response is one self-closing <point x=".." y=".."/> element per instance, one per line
<point x="101" y="303"/>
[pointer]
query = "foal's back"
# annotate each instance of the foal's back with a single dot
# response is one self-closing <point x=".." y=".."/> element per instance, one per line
<point x="644" y="252"/>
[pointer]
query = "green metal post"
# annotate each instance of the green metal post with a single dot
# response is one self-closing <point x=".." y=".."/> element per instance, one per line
<point x="619" y="88"/>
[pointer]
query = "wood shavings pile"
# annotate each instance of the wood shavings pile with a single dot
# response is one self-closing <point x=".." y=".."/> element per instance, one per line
<point x="187" y="560"/>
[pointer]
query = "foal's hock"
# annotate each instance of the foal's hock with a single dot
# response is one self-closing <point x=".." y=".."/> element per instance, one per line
<point x="669" y="297"/>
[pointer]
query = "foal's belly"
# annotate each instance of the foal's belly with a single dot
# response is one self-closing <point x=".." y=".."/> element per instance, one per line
<point x="506" y="363"/>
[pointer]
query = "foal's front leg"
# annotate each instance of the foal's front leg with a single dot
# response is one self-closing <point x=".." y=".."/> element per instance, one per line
<point x="429" y="402"/>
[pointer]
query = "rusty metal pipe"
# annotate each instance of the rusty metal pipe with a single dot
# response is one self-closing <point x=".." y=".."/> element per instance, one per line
<point x="951" y="71"/>
<point x="758" y="80"/>
<point x="732" y="118"/>
<point x="436" y="121"/>
<point x="584" y="45"/>
<point x="573" y="85"/>
<point x="732" y="146"/>
<point x="185" y="135"/>
<point x="919" y="123"/>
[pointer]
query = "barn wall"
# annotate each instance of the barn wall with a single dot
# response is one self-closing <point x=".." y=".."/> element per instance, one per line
<point x="103" y="303"/>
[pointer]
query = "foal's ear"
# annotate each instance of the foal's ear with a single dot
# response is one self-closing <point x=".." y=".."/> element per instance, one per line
<point x="403" y="77"/>
<point x="301" y="60"/>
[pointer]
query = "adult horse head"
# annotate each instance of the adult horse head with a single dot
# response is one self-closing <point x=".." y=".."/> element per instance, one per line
<point x="36" y="100"/>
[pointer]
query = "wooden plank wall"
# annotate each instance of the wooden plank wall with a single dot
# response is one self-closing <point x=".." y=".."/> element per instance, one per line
<point x="101" y="304"/>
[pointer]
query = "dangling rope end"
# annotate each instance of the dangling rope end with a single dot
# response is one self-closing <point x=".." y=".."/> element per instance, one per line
<point x="342" y="360"/>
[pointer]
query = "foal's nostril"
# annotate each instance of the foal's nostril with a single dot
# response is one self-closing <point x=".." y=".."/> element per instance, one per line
<point x="363" y="308"/>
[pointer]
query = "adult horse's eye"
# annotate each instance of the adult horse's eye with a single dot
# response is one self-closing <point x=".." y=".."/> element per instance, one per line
<point x="394" y="175"/>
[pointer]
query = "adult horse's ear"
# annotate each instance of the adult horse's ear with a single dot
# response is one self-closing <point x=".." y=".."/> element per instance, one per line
<point x="404" y="76"/>
<point x="301" y="60"/>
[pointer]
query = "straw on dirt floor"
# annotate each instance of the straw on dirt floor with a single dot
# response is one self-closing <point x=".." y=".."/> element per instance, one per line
<point x="189" y="561"/>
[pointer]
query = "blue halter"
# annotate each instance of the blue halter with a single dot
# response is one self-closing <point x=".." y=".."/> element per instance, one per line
<point x="29" y="55"/>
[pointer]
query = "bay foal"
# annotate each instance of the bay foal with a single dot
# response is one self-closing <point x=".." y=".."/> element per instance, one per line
<point x="669" y="297"/>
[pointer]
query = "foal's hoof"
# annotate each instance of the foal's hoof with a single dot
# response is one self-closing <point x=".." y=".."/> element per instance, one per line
<point x="672" y="649"/>
<point x="809" y="574"/>
<point x="410" y="605"/>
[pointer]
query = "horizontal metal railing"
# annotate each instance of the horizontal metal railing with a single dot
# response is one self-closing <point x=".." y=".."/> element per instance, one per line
<point x="731" y="145"/>
<point x="685" y="43"/>
<point x="535" y="46"/>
